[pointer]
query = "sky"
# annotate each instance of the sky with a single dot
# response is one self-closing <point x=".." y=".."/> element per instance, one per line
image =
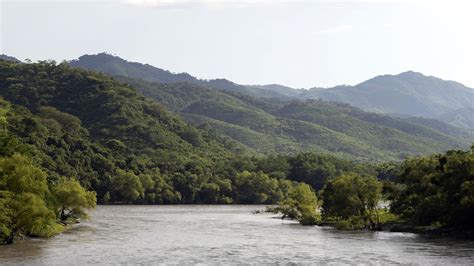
<point x="302" y="44"/>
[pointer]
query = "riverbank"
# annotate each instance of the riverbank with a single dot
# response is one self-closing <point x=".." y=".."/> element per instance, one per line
<point x="394" y="227"/>
<point x="431" y="231"/>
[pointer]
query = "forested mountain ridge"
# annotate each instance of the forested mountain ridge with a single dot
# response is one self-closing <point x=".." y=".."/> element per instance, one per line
<point x="262" y="125"/>
<point x="116" y="66"/>
<point x="85" y="125"/>
<point x="406" y="94"/>
<point x="409" y="94"/>
<point x="278" y="126"/>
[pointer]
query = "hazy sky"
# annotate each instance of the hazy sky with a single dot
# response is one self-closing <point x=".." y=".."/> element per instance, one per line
<point x="295" y="43"/>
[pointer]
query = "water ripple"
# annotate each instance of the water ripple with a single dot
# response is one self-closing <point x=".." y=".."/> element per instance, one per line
<point x="225" y="235"/>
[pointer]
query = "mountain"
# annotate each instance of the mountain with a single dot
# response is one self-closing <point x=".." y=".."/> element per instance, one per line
<point x="463" y="117"/>
<point x="116" y="66"/>
<point x="5" y="57"/>
<point x="259" y="117"/>
<point x="279" y="90"/>
<point x="128" y="148"/>
<point x="406" y="94"/>
<point x="268" y="126"/>
<point x="106" y="63"/>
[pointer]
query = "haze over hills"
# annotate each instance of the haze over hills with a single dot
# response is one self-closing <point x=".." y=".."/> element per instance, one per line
<point x="406" y="94"/>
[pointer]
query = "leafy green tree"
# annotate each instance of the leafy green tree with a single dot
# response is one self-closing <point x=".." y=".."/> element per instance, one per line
<point x="438" y="190"/>
<point x="209" y="193"/>
<point x="351" y="195"/>
<point x="163" y="191"/>
<point x="301" y="204"/>
<point x="314" y="169"/>
<point x="256" y="188"/>
<point x="127" y="187"/>
<point x="187" y="184"/>
<point x="23" y="209"/>
<point x="274" y="166"/>
<point x="71" y="200"/>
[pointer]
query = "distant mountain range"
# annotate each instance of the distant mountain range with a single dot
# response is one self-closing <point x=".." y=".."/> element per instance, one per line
<point x="116" y="66"/>
<point x="275" y="118"/>
<point x="268" y="119"/>
<point x="406" y="94"/>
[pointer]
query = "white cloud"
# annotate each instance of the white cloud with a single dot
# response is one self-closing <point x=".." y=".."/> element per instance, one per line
<point x="250" y="2"/>
<point x="337" y="29"/>
<point x="170" y="3"/>
<point x="158" y="3"/>
<point x="164" y="3"/>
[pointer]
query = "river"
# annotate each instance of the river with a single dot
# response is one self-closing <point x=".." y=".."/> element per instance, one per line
<point x="224" y="234"/>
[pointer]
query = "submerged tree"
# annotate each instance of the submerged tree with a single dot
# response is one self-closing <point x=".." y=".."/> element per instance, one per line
<point x="71" y="200"/>
<point x="23" y="210"/>
<point x="301" y="204"/>
<point x="352" y="197"/>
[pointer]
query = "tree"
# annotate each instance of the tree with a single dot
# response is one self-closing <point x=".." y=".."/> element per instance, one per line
<point x="127" y="186"/>
<point x="437" y="189"/>
<point x="301" y="204"/>
<point x="23" y="209"/>
<point x="71" y="199"/>
<point x="256" y="188"/>
<point x="313" y="169"/>
<point x="351" y="195"/>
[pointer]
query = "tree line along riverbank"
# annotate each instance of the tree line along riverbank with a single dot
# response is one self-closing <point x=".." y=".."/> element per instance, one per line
<point x="70" y="139"/>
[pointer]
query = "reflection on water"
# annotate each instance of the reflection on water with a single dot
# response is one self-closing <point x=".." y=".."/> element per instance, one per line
<point x="224" y="234"/>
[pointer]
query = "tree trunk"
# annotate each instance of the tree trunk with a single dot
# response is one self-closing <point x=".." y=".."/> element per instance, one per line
<point x="11" y="238"/>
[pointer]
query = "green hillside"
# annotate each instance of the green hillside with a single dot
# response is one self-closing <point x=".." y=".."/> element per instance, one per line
<point x="283" y="126"/>
<point x="127" y="148"/>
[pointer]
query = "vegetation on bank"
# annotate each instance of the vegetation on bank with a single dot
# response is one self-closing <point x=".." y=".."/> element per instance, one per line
<point x="131" y="150"/>
<point x="30" y="204"/>
<point x="433" y="192"/>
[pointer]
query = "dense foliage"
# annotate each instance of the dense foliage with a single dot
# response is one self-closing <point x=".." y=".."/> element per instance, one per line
<point x="23" y="207"/>
<point x="301" y="204"/>
<point x="352" y="198"/>
<point x="129" y="149"/>
<point x="29" y="204"/>
<point x="437" y="190"/>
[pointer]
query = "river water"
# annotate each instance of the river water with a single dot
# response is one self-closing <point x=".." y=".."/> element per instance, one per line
<point x="224" y="234"/>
